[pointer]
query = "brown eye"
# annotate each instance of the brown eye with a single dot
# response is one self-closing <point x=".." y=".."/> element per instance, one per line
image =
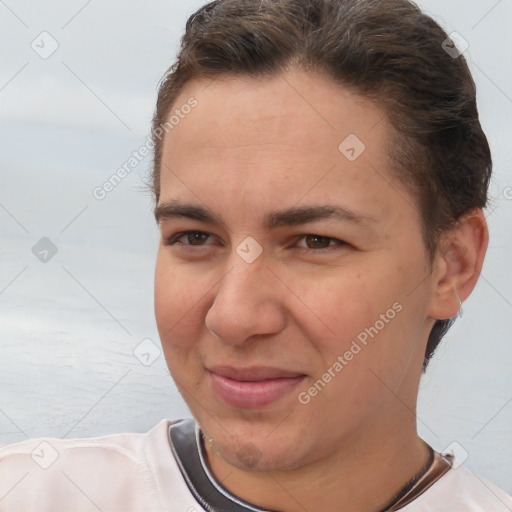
<point x="196" y="238"/>
<point x="188" y="238"/>
<point x="318" y="242"/>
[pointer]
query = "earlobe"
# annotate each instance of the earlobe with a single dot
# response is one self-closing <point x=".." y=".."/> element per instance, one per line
<point x="459" y="260"/>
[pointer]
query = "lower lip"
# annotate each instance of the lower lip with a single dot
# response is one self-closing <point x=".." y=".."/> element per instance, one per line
<point x="252" y="395"/>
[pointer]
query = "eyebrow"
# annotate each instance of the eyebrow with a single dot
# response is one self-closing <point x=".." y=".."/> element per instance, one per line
<point x="174" y="209"/>
<point x="290" y="217"/>
<point x="305" y="214"/>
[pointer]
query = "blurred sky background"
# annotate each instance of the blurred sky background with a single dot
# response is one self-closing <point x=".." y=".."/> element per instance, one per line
<point x="69" y="326"/>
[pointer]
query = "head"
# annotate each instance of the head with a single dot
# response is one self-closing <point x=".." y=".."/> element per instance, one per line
<point x="294" y="106"/>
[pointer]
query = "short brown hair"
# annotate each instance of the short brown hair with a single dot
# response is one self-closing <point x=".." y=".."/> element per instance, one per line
<point x="385" y="50"/>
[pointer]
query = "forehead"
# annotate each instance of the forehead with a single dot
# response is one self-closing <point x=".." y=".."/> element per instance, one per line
<point x="287" y="108"/>
<point x="281" y="137"/>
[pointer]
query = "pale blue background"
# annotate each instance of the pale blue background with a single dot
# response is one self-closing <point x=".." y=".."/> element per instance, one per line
<point x="68" y="327"/>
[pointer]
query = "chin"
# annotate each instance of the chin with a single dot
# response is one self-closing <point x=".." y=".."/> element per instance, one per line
<point x="256" y="445"/>
<point x="259" y="456"/>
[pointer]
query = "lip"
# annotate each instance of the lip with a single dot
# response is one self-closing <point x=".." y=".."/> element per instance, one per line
<point x="252" y="387"/>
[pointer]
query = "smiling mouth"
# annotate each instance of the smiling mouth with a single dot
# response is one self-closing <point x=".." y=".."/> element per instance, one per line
<point x="252" y="388"/>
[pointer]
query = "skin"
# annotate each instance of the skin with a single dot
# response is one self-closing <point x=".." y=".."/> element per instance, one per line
<point x="254" y="147"/>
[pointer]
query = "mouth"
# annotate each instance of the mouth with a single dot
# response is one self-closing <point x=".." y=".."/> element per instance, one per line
<point x="254" y="387"/>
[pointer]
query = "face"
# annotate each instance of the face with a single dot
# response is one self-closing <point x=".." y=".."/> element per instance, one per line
<point x="292" y="283"/>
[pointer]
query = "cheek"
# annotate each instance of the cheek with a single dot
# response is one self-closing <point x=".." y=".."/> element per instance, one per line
<point x="179" y="306"/>
<point x="365" y="306"/>
<point x="335" y="305"/>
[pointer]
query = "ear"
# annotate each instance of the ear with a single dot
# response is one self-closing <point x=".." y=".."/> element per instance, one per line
<point x="457" y="264"/>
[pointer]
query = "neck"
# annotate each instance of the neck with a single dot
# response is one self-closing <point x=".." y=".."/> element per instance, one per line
<point x="364" y="474"/>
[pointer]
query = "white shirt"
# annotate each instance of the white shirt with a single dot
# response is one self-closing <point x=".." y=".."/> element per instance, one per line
<point x="140" y="473"/>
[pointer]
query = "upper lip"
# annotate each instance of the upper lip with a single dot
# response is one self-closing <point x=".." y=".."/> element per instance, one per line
<point x="253" y="373"/>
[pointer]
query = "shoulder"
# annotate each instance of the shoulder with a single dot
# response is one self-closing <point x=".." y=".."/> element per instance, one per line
<point x="461" y="490"/>
<point x="113" y="472"/>
<point x="44" y="452"/>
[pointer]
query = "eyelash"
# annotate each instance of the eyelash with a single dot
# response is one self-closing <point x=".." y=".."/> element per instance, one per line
<point x="175" y="239"/>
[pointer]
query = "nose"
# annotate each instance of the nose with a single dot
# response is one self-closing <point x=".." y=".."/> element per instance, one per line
<point x="247" y="304"/>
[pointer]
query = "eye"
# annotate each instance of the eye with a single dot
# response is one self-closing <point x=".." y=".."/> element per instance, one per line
<point x="190" y="238"/>
<point x="318" y="242"/>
